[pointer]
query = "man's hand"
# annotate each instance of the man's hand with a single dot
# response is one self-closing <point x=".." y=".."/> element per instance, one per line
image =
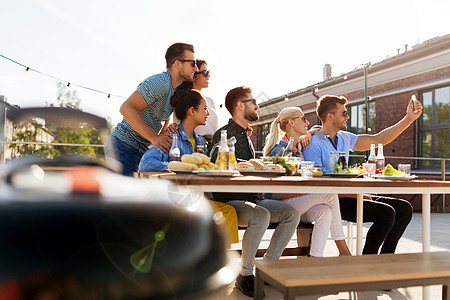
<point x="162" y="141"/>
<point x="414" y="109"/>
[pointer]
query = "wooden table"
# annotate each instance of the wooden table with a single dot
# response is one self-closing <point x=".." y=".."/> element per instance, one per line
<point x="296" y="184"/>
<point x="313" y="276"/>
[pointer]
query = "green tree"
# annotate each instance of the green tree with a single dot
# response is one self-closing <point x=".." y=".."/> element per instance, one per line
<point x="35" y="131"/>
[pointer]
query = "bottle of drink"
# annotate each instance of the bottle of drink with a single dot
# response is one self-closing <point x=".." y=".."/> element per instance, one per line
<point x="232" y="159"/>
<point x="223" y="158"/>
<point x="342" y="160"/>
<point x="174" y="153"/>
<point x="288" y="151"/>
<point x="380" y="158"/>
<point x="372" y="157"/>
<point x="332" y="163"/>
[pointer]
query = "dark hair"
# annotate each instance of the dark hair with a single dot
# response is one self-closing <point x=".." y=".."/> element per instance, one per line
<point x="327" y="104"/>
<point x="183" y="99"/>
<point x="234" y="95"/>
<point x="176" y="51"/>
<point x="200" y="63"/>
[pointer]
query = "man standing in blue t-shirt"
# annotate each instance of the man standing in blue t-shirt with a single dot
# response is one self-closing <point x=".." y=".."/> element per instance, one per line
<point x="145" y="111"/>
<point x="390" y="216"/>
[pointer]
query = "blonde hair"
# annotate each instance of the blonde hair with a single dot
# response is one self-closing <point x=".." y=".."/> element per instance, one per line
<point x="278" y="127"/>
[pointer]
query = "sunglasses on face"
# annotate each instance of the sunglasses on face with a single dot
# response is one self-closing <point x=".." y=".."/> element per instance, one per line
<point x="302" y="117"/>
<point x="192" y="61"/>
<point x="344" y="113"/>
<point x="205" y="73"/>
<point x="247" y="100"/>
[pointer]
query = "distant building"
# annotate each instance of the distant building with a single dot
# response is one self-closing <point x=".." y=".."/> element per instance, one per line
<point x="423" y="70"/>
<point x="6" y="130"/>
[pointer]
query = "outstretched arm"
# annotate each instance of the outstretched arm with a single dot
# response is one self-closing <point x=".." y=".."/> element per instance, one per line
<point x="130" y="111"/>
<point x="387" y="135"/>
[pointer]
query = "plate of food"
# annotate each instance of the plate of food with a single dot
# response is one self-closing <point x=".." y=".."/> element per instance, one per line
<point x="182" y="171"/>
<point x="405" y="177"/>
<point x="226" y="173"/>
<point x="343" y="175"/>
<point x="262" y="173"/>
<point x="256" y="167"/>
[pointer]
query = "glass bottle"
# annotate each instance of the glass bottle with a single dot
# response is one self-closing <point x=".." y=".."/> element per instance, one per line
<point x="174" y="153"/>
<point x="288" y="151"/>
<point x="342" y="160"/>
<point x="223" y="158"/>
<point x="333" y="162"/>
<point x="372" y="157"/>
<point x="232" y="159"/>
<point x="380" y="158"/>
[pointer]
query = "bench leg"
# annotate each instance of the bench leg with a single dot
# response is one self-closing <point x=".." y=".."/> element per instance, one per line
<point x="259" y="286"/>
<point x="289" y="294"/>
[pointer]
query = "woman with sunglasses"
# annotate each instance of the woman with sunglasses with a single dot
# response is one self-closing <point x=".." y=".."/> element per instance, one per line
<point x="201" y="81"/>
<point x="191" y="108"/>
<point x="323" y="209"/>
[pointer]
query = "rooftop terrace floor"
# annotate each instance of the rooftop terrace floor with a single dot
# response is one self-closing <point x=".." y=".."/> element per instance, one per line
<point x="409" y="243"/>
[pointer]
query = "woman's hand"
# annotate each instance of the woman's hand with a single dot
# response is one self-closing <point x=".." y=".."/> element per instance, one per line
<point x="173" y="128"/>
<point x="306" y="140"/>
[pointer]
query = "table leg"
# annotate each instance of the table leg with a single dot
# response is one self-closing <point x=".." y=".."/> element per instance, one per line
<point x="445" y="292"/>
<point x="259" y="286"/>
<point x="426" y="222"/>
<point x="426" y="203"/>
<point x="359" y="223"/>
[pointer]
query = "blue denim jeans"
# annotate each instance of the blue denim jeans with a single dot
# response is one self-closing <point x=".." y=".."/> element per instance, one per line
<point x="117" y="151"/>
<point x="256" y="217"/>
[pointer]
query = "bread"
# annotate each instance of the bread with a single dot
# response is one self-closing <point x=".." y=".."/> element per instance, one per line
<point x="205" y="159"/>
<point x="274" y="168"/>
<point x="181" y="166"/>
<point x="193" y="159"/>
<point x="245" y="166"/>
<point x="257" y="163"/>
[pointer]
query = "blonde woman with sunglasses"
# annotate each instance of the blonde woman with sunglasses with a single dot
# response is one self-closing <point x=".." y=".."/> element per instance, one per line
<point x="322" y="209"/>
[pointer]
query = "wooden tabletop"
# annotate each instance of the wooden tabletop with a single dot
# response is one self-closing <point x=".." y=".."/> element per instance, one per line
<point x="310" y="271"/>
<point x="292" y="180"/>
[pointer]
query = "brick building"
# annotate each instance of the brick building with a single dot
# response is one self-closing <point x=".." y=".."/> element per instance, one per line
<point x="423" y="70"/>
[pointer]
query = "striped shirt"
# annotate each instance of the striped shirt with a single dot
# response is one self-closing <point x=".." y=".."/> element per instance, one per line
<point x="156" y="90"/>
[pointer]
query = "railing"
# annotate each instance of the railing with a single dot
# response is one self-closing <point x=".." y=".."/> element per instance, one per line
<point x="4" y="143"/>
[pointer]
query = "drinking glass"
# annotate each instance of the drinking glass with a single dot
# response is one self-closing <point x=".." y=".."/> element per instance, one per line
<point x="369" y="169"/>
<point x="307" y="168"/>
<point x="405" y="168"/>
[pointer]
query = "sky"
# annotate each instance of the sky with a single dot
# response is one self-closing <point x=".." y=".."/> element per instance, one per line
<point x="275" y="47"/>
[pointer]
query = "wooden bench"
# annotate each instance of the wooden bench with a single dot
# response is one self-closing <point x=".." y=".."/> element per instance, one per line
<point x="319" y="276"/>
<point x="304" y="231"/>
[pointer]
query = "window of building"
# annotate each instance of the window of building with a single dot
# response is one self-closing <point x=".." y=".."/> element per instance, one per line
<point x="264" y="131"/>
<point x="357" y="125"/>
<point x="434" y="132"/>
<point x="357" y="121"/>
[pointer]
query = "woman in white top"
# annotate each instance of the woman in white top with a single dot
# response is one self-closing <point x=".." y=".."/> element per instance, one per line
<point x="322" y="209"/>
<point x="201" y="81"/>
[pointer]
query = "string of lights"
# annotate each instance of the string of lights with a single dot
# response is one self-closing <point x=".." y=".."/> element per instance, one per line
<point x="27" y="69"/>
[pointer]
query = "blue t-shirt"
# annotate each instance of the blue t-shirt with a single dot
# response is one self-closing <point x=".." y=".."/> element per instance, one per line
<point x="322" y="145"/>
<point x="155" y="160"/>
<point x="156" y="90"/>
